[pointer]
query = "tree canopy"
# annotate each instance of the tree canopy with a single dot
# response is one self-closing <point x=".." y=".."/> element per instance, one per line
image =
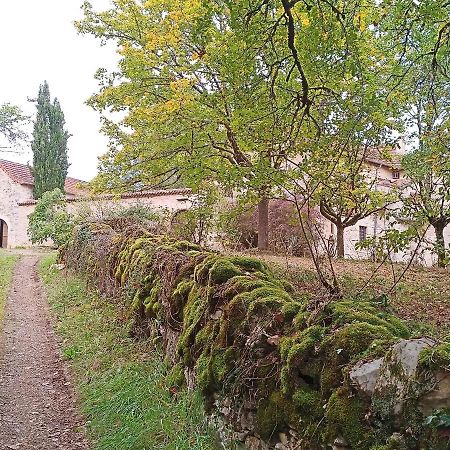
<point x="12" y="121"/>
<point x="263" y="98"/>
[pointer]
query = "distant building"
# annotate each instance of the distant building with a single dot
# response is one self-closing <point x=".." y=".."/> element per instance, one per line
<point x="387" y="170"/>
<point x="16" y="201"/>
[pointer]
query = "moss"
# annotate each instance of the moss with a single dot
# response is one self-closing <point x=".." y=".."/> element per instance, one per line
<point x="203" y="373"/>
<point x="241" y="283"/>
<point x="232" y="320"/>
<point x="346" y="417"/>
<point x="186" y="246"/>
<point x="289" y="287"/>
<point x="264" y="308"/>
<point x="291" y="310"/>
<point x="201" y="272"/>
<point x="360" y="311"/>
<point x="308" y="403"/>
<point x="300" y="345"/>
<point x="393" y="443"/>
<point x="134" y="255"/>
<point x="151" y="301"/>
<point x="301" y="319"/>
<point x="212" y="368"/>
<point x="183" y="288"/>
<point x="269" y="290"/>
<point x="137" y="301"/>
<point x="176" y="377"/>
<point x="437" y="357"/>
<point x="356" y="338"/>
<point x="205" y="335"/>
<point x="274" y="415"/>
<point x="299" y="357"/>
<point x="222" y="361"/>
<point x="349" y="344"/>
<point x="222" y="270"/>
<point x="180" y="296"/>
<point x="250" y="264"/>
<point x="193" y="312"/>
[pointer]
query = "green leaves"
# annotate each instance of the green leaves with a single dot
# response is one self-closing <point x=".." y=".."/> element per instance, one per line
<point x="12" y="122"/>
<point x="439" y="419"/>
<point x="212" y="90"/>
<point x="50" y="219"/>
<point x="49" y="145"/>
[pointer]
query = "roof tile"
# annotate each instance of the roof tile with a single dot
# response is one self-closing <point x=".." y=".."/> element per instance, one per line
<point x="21" y="174"/>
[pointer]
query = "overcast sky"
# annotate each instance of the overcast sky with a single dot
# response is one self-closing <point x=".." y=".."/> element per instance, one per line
<point x="39" y="42"/>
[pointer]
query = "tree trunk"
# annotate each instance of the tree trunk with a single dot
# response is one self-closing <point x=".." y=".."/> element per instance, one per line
<point x="440" y="244"/>
<point x="339" y="240"/>
<point x="263" y="224"/>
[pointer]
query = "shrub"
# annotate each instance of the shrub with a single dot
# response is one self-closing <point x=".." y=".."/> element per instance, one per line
<point x="121" y="217"/>
<point x="50" y="219"/>
<point x="196" y="223"/>
<point x="285" y="232"/>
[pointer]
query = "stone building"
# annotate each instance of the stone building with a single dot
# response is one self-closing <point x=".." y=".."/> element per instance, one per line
<point x="17" y="203"/>
<point x="388" y="174"/>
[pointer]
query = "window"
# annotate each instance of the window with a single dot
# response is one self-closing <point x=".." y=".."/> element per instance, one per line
<point x="396" y="175"/>
<point x="362" y="233"/>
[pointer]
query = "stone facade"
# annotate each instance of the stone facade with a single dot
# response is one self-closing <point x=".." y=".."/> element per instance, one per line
<point x="11" y="194"/>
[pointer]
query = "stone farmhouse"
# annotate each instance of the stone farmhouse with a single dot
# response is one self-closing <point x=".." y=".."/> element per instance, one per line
<point x="16" y="201"/>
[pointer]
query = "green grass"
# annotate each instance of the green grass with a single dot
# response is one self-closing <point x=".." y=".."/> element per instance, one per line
<point x="7" y="263"/>
<point x="121" y="383"/>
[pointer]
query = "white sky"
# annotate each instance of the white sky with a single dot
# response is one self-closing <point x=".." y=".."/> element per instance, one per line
<point x="39" y="42"/>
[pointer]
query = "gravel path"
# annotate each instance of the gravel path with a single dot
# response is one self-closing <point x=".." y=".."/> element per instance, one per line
<point x="37" y="406"/>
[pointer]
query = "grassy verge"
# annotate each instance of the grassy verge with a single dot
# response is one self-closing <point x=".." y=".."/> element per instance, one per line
<point x="122" y="384"/>
<point x="7" y="263"/>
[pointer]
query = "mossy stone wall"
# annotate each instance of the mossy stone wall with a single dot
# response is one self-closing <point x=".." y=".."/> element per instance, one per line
<point x="244" y="335"/>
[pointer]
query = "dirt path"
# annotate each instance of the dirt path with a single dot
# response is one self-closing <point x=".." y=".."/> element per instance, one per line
<point x="37" y="407"/>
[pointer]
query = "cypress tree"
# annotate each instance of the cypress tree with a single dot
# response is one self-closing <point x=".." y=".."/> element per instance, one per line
<point x="49" y="145"/>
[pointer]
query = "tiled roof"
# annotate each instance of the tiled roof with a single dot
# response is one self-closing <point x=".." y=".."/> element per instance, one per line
<point x="386" y="158"/>
<point x="21" y="174"/>
<point x="141" y="194"/>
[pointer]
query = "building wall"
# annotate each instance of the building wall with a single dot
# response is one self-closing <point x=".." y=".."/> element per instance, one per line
<point x="16" y="216"/>
<point x="375" y="226"/>
<point x="11" y="194"/>
<point x="171" y="203"/>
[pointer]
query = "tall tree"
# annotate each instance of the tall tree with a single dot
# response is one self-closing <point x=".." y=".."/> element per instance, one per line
<point x="419" y="34"/>
<point x="221" y="91"/>
<point x="426" y="199"/>
<point x="49" y="145"/>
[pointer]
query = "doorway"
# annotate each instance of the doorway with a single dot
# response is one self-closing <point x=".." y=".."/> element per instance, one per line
<point x="3" y="234"/>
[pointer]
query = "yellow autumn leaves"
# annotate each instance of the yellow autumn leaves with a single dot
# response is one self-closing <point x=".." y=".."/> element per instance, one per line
<point x="175" y="14"/>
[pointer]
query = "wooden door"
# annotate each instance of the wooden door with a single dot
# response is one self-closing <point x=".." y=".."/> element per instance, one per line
<point x="3" y="234"/>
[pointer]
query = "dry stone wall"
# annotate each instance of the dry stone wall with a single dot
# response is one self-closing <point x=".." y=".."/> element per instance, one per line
<point x="277" y="370"/>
